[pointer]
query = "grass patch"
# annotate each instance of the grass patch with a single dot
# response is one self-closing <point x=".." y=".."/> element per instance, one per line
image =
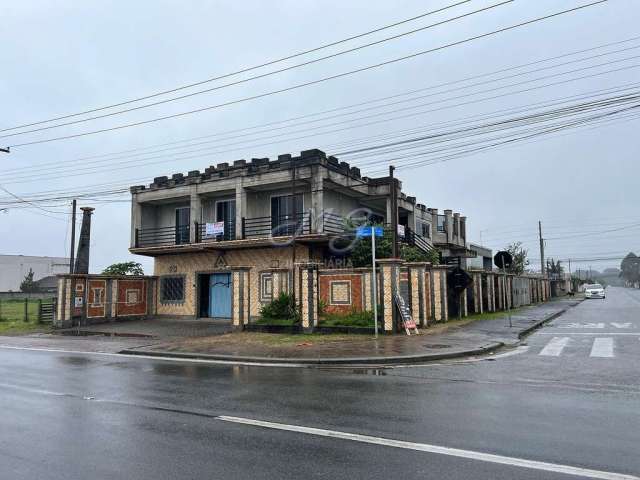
<point x="12" y="317"/>
<point x="352" y="319"/>
<point x="276" y="321"/>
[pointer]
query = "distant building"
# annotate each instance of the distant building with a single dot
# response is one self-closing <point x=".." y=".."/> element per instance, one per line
<point x="13" y="269"/>
<point x="483" y="259"/>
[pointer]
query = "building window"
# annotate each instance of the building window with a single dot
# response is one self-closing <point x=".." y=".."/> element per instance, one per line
<point x="282" y="214"/>
<point x="442" y="220"/>
<point x="172" y="289"/>
<point x="425" y="230"/>
<point x="340" y="292"/>
<point x="266" y="287"/>
<point x="183" y="219"/>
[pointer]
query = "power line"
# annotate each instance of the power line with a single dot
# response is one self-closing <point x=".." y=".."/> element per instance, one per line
<point x="368" y="102"/>
<point x="313" y="82"/>
<point x="172" y="156"/>
<point x="243" y="70"/>
<point x="255" y="77"/>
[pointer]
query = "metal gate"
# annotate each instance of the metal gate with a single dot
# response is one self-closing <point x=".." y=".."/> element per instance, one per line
<point x="46" y="310"/>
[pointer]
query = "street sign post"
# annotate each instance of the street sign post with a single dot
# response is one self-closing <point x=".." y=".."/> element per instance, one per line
<point x="373" y="232"/>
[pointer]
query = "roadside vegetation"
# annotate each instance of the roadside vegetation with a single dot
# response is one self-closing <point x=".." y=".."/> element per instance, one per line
<point x="14" y="319"/>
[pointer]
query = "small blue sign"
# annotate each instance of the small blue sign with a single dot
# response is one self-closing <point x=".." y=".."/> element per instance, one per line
<point x="365" y="231"/>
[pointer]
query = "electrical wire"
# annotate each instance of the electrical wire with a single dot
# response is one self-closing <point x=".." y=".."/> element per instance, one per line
<point x="313" y="82"/>
<point x="242" y="70"/>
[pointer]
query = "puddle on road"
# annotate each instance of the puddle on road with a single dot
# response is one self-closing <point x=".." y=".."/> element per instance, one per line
<point x="90" y="333"/>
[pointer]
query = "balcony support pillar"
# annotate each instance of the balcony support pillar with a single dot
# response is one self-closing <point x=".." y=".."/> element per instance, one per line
<point x="136" y="219"/>
<point x="195" y="215"/>
<point x="317" y="199"/>
<point x="241" y="208"/>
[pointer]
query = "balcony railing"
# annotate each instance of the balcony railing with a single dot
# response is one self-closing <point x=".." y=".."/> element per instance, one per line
<point x="265" y="227"/>
<point x="229" y="232"/>
<point x="284" y="225"/>
<point x="162" y="236"/>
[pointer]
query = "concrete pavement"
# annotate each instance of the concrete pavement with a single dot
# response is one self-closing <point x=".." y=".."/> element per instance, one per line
<point x="521" y="416"/>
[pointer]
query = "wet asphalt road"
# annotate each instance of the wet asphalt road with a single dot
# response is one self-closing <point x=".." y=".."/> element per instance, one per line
<point x="559" y="400"/>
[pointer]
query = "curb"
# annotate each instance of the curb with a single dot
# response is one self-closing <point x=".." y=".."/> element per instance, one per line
<point x="350" y="361"/>
<point x="355" y="361"/>
<point x="527" y="331"/>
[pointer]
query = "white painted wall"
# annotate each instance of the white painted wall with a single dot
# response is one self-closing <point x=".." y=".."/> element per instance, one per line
<point x="13" y="269"/>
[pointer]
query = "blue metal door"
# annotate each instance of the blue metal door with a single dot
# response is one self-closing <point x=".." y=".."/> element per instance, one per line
<point x="220" y="295"/>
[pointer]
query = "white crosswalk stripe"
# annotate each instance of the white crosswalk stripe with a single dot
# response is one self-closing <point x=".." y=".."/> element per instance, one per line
<point x="602" y="347"/>
<point x="555" y="346"/>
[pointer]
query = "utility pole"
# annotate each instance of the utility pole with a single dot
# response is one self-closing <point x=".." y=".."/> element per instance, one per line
<point x="73" y="235"/>
<point x="394" y="214"/>
<point x="541" y="247"/>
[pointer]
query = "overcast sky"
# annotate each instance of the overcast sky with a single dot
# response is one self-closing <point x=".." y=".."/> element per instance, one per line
<point x="64" y="57"/>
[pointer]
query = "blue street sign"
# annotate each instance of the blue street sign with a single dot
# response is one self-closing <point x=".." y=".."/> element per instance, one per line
<point x="365" y="231"/>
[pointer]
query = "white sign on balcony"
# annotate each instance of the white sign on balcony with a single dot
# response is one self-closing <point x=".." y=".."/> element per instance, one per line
<point x="213" y="229"/>
<point x="401" y="230"/>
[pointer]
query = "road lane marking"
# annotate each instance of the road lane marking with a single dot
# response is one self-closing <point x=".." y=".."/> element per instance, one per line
<point x="622" y="325"/>
<point x="602" y="348"/>
<point x="590" y="333"/>
<point x="554" y="347"/>
<point x="437" y="449"/>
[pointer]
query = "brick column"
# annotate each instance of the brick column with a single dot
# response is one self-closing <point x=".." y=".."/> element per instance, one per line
<point x="240" y="297"/>
<point x="500" y="292"/>
<point x="309" y="296"/>
<point x="418" y="292"/>
<point x="477" y="292"/>
<point x="367" y="288"/>
<point x="390" y="285"/>
<point x="65" y="303"/>
<point x="491" y="285"/>
<point x="438" y="285"/>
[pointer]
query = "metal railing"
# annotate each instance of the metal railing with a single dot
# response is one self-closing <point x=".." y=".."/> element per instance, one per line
<point x="284" y="225"/>
<point x="229" y="232"/>
<point x="162" y="236"/>
<point x="332" y="223"/>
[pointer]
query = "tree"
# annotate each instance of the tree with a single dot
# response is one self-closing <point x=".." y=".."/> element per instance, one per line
<point x="360" y="254"/>
<point x="28" y="285"/>
<point x="519" y="255"/>
<point x="630" y="268"/>
<point x="124" y="268"/>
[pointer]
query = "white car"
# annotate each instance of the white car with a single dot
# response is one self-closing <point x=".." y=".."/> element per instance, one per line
<point x="594" y="290"/>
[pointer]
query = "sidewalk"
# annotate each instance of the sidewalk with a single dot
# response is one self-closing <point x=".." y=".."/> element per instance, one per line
<point x="439" y="342"/>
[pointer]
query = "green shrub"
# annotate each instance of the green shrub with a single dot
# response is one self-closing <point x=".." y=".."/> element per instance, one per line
<point x="355" y="318"/>
<point x="280" y="308"/>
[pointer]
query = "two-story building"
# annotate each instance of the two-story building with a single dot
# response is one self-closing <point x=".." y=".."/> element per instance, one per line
<point x="265" y="215"/>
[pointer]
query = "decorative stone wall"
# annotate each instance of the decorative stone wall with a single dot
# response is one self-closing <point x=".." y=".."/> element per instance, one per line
<point x="88" y="299"/>
<point x="342" y="291"/>
<point x="241" y="296"/>
<point x="438" y="286"/>
<point x="190" y="265"/>
<point x="309" y="296"/>
<point x="418" y="297"/>
<point x="390" y="286"/>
